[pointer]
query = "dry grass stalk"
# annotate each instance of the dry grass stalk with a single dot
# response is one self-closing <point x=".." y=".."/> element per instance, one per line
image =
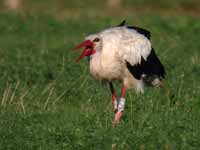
<point x="59" y="97"/>
<point x="49" y="86"/>
<point x="47" y="101"/>
<point x="113" y="146"/>
<point x="13" y="94"/>
<point x="22" y="100"/>
<point x="5" y="95"/>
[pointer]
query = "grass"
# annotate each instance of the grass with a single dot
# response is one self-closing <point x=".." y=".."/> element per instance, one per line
<point x="49" y="102"/>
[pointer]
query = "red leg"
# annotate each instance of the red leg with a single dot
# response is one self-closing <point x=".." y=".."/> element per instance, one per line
<point x="121" y="105"/>
<point x="114" y="98"/>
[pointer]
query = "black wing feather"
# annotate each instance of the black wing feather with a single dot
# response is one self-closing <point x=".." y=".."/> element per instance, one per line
<point x="150" y="67"/>
<point x="122" y="23"/>
<point x="142" y="31"/>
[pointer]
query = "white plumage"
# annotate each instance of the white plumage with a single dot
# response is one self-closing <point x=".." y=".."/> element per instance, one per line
<point x="116" y="46"/>
<point x="122" y="53"/>
<point x="127" y="43"/>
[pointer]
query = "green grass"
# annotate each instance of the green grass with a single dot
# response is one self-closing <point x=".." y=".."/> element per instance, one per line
<point x="50" y="102"/>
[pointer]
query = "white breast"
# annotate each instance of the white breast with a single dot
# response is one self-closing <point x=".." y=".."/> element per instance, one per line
<point x="106" y="68"/>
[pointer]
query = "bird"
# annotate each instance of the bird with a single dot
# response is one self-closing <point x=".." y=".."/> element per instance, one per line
<point x="123" y="53"/>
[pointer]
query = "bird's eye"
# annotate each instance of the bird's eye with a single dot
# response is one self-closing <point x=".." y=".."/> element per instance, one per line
<point x="96" y="40"/>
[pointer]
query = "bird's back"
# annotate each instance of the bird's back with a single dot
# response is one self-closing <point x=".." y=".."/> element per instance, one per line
<point x="127" y="43"/>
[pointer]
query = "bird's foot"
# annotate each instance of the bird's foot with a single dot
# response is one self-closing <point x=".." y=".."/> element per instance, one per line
<point x="119" y="112"/>
<point x="118" y="115"/>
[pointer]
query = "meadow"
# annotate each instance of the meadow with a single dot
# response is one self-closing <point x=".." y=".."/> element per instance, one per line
<point x="49" y="102"/>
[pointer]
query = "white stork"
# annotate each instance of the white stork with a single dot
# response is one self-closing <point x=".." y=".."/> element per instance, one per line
<point x="123" y="53"/>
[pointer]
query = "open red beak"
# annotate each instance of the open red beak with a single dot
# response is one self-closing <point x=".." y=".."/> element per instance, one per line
<point x="88" y="45"/>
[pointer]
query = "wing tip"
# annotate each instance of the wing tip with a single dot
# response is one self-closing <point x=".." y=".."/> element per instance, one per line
<point x="123" y="23"/>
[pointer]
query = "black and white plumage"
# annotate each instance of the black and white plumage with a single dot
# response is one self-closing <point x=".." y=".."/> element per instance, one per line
<point x="123" y="53"/>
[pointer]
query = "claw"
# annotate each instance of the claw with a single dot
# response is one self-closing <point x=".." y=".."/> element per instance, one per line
<point x="118" y="115"/>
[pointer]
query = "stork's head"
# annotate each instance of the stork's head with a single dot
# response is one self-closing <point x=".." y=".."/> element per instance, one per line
<point x="91" y="45"/>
